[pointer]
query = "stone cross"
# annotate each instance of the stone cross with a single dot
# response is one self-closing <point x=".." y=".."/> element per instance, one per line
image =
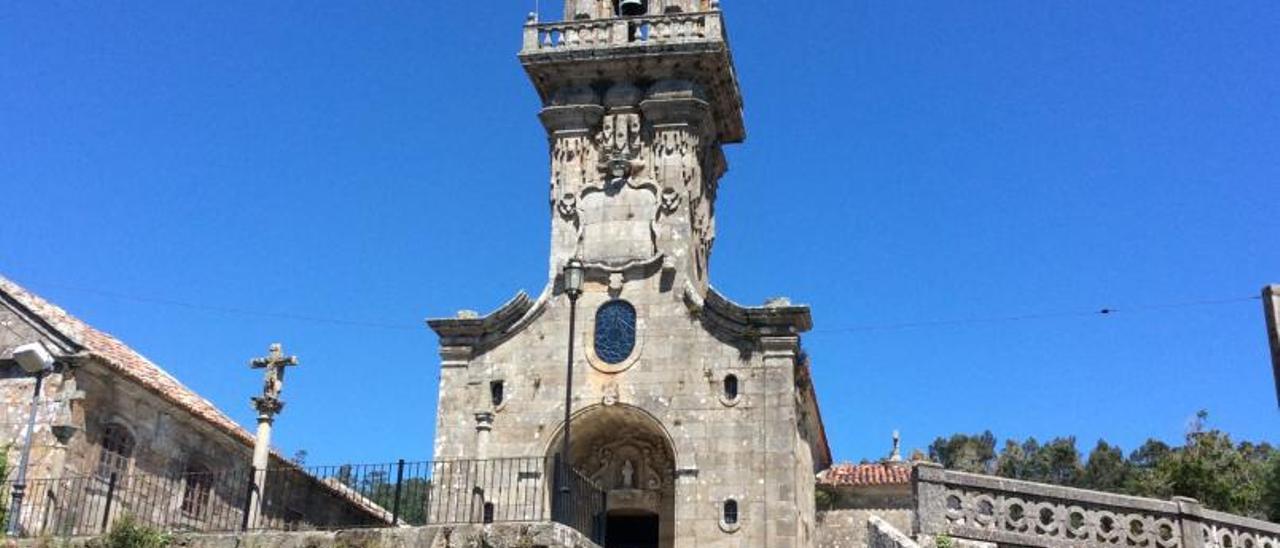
<point x="275" y="362"/>
<point x="268" y="406"/>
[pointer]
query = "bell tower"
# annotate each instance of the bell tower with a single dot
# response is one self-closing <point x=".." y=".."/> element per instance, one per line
<point x="638" y="98"/>
<point x="695" y="416"/>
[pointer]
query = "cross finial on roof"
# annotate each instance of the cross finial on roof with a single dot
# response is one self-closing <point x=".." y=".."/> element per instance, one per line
<point x="896" y="455"/>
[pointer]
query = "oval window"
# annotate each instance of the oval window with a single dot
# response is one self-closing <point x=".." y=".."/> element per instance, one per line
<point x="730" y="512"/>
<point x="615" y="336"/>
<point x="731" y="387"/>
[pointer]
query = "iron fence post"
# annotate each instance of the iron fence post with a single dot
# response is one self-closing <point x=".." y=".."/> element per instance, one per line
<point x="603" y="517"/>
<point x="106" y="510"/>
<point x="395" y="504"/>
<point x="248" y="502"/>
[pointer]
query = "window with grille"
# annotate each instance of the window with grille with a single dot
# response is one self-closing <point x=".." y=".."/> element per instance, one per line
<point x="198" y="483"/>
<point x="615" y="336"/>
<point x="117" y="450"/>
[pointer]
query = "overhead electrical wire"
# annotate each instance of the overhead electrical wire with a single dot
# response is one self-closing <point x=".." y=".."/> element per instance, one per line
<point x="895" y="326"/>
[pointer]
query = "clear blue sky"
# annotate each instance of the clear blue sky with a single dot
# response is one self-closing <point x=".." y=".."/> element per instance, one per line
<point x="907" y="162"/>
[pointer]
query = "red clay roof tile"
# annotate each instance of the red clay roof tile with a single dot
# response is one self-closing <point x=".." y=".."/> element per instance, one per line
<point x="859" y="475"/>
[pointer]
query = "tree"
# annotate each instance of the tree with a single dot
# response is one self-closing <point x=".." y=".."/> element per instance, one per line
<point x="1271" y="490"/>
<point x="1060" y="461"/>
<point x="1145" y="477"/>
<point x="1212" y="470"/>
<point x="1241" y="479"/>
<point x="1106" y="469"/>
<point x="976" y="454"/>
<point x="1012" y="462"/>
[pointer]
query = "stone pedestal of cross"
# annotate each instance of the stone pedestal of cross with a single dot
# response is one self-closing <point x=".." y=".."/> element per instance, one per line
<point x="268" y="406"/>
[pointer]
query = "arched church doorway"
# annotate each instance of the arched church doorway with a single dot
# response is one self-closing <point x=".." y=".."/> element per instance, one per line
<point x="628" y="453"/>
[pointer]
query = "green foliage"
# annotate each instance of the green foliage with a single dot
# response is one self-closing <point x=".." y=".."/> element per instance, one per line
<point x="379" y="487"/>
<point x="1271" y="490"/>
<point x="1239" y="478"/>
<point x="976" y="454"/>
<point x="944" y="541"/>
<point x="1106" y="469"/>
<point x="823" y="499"/>
<point x="4" y="484"/>
<point x="1215" y="472"/>
<point x="127" y="532"/>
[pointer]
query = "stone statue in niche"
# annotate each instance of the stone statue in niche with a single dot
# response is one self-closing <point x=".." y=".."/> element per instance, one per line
<point x="628" y="476"/>
<point x="631" y="464"/>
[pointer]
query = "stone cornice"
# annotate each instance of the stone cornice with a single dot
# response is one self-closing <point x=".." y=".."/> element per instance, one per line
<point x="755" y="321"/>
<point x="471" y="332"/>
<point x="571" y="118"/>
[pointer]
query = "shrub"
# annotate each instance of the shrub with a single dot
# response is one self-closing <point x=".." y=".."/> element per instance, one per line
<point x="127" y="532"/>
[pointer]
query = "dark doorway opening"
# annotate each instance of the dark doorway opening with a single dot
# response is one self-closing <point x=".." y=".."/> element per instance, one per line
<point x="632" y="531"/>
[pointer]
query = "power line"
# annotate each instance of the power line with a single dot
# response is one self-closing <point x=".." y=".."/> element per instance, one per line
<point x="241" y="311"/>
<point x="955" y="322"/>
<point x="1100" y="312"/>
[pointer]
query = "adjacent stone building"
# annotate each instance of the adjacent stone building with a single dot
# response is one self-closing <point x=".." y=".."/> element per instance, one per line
<point x="106" y="411"/>
<point x="695" y="413"/>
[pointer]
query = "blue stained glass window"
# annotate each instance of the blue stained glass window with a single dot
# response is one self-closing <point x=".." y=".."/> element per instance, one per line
<point x="615" y="331"/>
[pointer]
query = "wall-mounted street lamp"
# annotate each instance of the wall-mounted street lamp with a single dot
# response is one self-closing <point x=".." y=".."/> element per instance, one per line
<point x="35" y="360"/>
<point x="574" y="274"/>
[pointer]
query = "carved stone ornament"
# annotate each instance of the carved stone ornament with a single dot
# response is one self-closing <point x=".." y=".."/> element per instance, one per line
<point x="610" y="394"/>
<point x="567" y="206"/>
<point x="670" y="201"/>
<point x="621" y="134"/>
<point x="632" y="464"/>
<point x="617" y="218"/>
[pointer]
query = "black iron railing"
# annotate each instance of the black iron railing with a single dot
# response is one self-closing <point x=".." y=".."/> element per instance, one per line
<point x="580" y="504"/>
<point x="334" y="497"/>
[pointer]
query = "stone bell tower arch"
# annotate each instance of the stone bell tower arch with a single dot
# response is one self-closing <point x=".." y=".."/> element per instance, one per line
<point x="696" y="414"/>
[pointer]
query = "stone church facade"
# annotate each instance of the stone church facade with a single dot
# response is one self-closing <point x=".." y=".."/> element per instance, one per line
<point x="695" y="413"/>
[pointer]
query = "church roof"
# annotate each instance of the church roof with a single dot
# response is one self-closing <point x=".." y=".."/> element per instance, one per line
<point x="865" y="475"/>
<point x="116" y="355"/>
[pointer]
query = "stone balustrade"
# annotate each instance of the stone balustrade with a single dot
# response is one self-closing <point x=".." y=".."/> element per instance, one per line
<point x="1004" y="511"/>
<point x="1221" y="530"/>
<point x="623" y="32"/>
